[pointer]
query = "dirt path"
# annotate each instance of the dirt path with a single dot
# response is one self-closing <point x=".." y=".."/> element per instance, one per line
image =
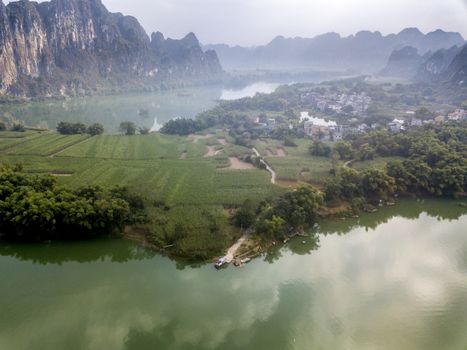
<point x="230" y="255"/>
<point x="268" y="168"/>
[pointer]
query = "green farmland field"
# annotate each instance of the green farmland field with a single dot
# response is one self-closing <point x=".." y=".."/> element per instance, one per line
<point x="295" y="163"/>
<point x="149" y="164"/>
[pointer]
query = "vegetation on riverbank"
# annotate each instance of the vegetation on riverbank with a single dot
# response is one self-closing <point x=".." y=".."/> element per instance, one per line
<point x="196" y="193"/>
<point x="34" y="208"/>
<point x="431" y="161"/>
<point x="189" y="194"/>
<point x="185" y="193"/>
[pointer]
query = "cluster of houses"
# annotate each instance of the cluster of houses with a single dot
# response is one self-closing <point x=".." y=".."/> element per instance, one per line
<point x="328" y="130"/>
<point x="352" y="104"/>
<point x="457" y="115"/>
<point x="321" y="129"/>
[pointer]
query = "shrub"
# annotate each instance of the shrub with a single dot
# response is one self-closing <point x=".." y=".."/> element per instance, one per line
<point x="95" y="129"/>
<point x="18" y="128"/>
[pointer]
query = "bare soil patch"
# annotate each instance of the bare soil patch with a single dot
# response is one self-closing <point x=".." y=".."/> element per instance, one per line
<point x="223" y="142"/>
<point x="237" y="164"/>
<point x="211" y="151"/>
<point x="280" y="152"/>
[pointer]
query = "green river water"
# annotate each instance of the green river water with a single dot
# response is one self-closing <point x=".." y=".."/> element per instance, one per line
<point x="396" y="279"/>
<point x="149" y="110"/>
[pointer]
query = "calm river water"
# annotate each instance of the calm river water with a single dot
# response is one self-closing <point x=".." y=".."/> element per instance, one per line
<point x="150" y="110"/>
<point x="396" y="279"/>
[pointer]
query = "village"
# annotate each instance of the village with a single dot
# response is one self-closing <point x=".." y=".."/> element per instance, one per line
<point x="334" y="116"/>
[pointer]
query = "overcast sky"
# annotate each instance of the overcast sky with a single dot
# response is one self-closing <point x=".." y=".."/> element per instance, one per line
<point x="253" y="22"/>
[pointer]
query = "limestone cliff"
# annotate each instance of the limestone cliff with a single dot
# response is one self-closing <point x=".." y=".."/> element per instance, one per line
<point x="74" y="47"/>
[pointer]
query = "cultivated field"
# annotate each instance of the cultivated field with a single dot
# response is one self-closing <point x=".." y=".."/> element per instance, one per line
<point x="294" y="163"/>
<point x="150" y="165"/>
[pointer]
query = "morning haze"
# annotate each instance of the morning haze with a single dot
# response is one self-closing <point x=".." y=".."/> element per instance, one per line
<point x="256" y="22"/>
<point x="162" y="187"/>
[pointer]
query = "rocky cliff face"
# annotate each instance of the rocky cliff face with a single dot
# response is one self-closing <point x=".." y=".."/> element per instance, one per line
<point x="76" y="46"/>
<point x="447" y="66"/>
<point x="436" y="64"/>
<point x="456" y="72"/>
<point x="403" y="63"/>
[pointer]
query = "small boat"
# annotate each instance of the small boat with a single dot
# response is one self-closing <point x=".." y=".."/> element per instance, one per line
<point x="220" y="262"/>
<point x="246" y="260"/>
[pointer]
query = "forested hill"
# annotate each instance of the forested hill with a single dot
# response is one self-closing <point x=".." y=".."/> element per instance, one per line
<point x="77" y="46"/>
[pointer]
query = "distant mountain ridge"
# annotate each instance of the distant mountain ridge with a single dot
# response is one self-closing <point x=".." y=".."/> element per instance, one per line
<point x="74" y="47"/>
<point x="366" y="52"/>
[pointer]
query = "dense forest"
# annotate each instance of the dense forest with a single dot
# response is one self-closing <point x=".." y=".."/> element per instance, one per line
<point x="33" y="207"/>
<point x="433" y="162"/>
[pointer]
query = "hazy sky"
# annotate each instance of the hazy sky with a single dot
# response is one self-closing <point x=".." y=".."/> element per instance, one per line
<point x="250" y="22"/>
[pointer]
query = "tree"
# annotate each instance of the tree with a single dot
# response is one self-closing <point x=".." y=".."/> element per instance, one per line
<point x="95" y="129"/>
<point x="320" y="149"/>
<point x="299" y="208"/>
<point x="344" y="149"/>
<point x="34" y="208"/>
<point x="366" y="152"/>
<point x="399" y="173"/>
<point x="66" y="128"/>
<point x="332" y="189"/>
<point x="184" y="126"/>
<point x="2" y="126"/>
<point x="128" y="128"/>
<point x="245" y="216"/>
<point x="350" y="183"/>
<point x="18" y="127"/>
<point x="376" y="184"/>
<point x="273" y="228"/>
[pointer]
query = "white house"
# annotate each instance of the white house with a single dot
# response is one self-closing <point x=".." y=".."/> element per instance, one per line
<point x="396" y="125"/>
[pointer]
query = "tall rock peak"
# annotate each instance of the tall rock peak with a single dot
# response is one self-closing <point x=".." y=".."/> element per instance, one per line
<point x="77" y="45"/>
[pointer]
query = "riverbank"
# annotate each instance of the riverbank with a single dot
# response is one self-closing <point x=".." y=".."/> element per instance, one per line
<point x="189" y="197"/>
<point x="388" y="268"/>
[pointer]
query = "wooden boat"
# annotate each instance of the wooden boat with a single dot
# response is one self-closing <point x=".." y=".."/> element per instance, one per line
<point x="220" y="262"/>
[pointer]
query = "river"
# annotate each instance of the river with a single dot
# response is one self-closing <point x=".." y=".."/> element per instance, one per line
<point x="149" y="110"/>
<point x="396" y="279"/>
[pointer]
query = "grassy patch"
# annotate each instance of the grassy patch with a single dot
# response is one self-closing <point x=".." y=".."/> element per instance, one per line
<point x="377" y="163"/>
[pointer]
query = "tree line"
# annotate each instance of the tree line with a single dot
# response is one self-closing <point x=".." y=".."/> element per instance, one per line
<point x="33" y="208"/>
<point x="16" y="127"/>
<point x="67" y="128"/>
<point x="434" y="162"/>
<point x="276" y="219"/>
